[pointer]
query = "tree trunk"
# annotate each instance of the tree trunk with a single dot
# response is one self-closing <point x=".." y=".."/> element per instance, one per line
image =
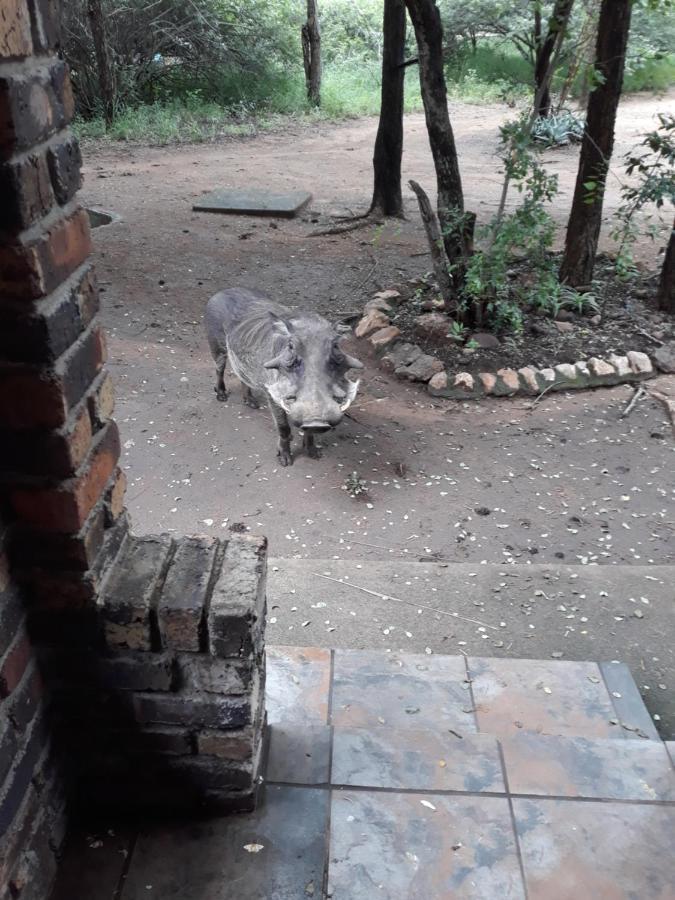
<point x="583" y="227"/>
<point x="543" y="72"/>
<point x="95" y="12"/>
<point x="387" y="197"/>
<point x="455" y="227"/>
<point x="438" y="257"/>
<point x="666" y="295"/>
<point x="311" y="54"/>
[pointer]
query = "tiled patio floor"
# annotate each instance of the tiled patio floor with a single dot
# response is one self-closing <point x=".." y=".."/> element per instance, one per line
<point x="423" y="777"/>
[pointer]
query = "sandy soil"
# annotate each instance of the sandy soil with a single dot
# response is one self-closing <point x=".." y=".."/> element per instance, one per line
<point x="568" y="480"/>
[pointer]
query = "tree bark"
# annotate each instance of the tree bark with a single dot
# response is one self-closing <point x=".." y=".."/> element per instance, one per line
<point x="387" y="198"/>
<point x="438" y="257"/>
<point x="97" y="24"/>
<point x="542" y="69"/>
<point x="583" y="227"/>
<point x="457" y="233"/>
<point x="666" y="294"/>
<point x="311" y="54"/>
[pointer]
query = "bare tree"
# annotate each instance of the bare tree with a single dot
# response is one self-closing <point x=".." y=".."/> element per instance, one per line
<point x="105" y="79"/>
<point x="311" y="53"/>
<point x="456" y="226"/>
<point x="387" y="199"/>
<point x="543" y="72"/>
<point x="583" y="228"/>
<point x="666" y="293"/>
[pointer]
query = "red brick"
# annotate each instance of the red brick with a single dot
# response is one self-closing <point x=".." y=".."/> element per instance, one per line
<point x="46" y="24"/>
<point x="34" y="268"/>
<point x="64" y="159"/>
<point x="48" y="329"/>
<point x="66" y="507"/>
<point x="15" y="34"/>
<point x="26" y="190"/>
<point x="26" y="697"/>
<point x="14" y="664"/>
<point x="53" y="589"/>
<point x="32" y="398"/>
<point x="36" y="100"/>
<point x="72" y="552"/>
<point x="114" y="497"/>
<point x="101" y="401"/>
<point x="56" y="454"/>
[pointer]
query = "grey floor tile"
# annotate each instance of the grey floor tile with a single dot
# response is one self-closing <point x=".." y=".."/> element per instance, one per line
<point x="376" y="690"/>
<point x="93" y="863"/>
<point x="394" y="847"/>
<point x="299" y="754"/>
<point x="416" y="760"/>
<point x="630" y="708"/>
<point x="573" y="850"/>
<point x="209" y="860"/>
<point x="298" y="681"/>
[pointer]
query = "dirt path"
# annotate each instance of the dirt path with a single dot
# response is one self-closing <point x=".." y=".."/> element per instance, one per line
<point x="566" y="481"/>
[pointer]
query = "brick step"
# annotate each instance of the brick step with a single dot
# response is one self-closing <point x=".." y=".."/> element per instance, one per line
<point x="559" y="612"/>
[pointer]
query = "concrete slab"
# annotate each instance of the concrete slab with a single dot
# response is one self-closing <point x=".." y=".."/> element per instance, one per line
<point x="253" y="203"/>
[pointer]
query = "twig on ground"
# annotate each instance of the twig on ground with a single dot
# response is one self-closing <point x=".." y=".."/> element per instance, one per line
<point x="440" y="612"/>
<point x="537" y="399"/>
<point x="640" y="392"/>
<point x="651" y="337"/>
<point x="667" y="402"/>
<point x="349" y="226"/>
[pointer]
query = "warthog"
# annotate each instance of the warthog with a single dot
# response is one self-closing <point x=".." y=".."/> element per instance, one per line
<point x="294" y="358"/>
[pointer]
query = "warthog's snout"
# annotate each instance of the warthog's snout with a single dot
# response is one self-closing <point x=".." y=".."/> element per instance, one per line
<point x="316" y="427"/>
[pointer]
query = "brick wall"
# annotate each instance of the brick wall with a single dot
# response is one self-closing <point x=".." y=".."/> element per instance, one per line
<point x="131" y="668"/>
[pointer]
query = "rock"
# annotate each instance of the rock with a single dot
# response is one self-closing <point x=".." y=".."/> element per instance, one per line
<point x="664" y="358"/>
<point x="485" y="340"/>
<point x="507" y="382"/>
<point x="400" y="355"/>
<point x="565" y="315"/>
<point x="640" y="363"/>
<point x="383" y="338"/>
<point x="464" y="382"/>
<point x="432" y="326"/>
<point x="596" y="319"/>
<point x="390" y="294"/>
<point x="546" y="376"/>
<point x="621" y="365"/>
<point x="385" y="306"/>
<point x="568" y="376"/>
<point x="564" y="327"/>
<point x="372" y="321"/>
<point x="422" y="369"/>
<point x="528" y="380"/>
<point x="539" y="329"/>
<point x="488" y="381"/>
<point x="438" y="384"/>
<point x="435" y="305"/>
<point x="601" y="371"/>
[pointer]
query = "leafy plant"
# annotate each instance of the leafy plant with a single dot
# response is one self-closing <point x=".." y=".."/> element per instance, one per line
<point x="558" y="129"/>
<point x="355" y="485"/>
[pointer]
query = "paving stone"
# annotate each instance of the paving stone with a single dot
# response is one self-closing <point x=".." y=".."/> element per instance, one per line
<point x="596" y="768"/>
<point x="393" y="846"/>
<point x="591" y="849"/>
<point x="299" y="754"/>
<point x="298" y="682"/>
<point x="253" y="203"/>
<point x="627" y="702"/>
<point x="416" y="760"/>
<point x="556" y="697"/>
<point x="93" y="864"/>
<point x="209" y="859"/>
<point x="400" y="691"/>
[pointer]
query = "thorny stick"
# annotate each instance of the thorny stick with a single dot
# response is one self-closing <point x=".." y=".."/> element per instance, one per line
<point x="441" y="612"/>
<point x="638" y="395"/>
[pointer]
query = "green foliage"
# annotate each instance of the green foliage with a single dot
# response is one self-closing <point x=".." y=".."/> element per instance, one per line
<point x="355" y="485"/>
<point x="654" y="171"/>
<point x="558" y="129"/>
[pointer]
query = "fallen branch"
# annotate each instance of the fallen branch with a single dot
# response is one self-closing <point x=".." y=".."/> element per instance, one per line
<point x="364" y="222"/>
<point x="651" y="337"/>
<point x="435" y="240"/>
<point x="640" y="392"/>
<point x="440" y="612"/>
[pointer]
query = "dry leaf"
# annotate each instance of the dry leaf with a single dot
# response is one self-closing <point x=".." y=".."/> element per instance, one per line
<point x="253" y="848"/>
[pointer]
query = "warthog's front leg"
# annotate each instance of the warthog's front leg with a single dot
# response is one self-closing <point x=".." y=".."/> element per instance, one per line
<point x="312" y="449"/>
<point x="284" y="429"/>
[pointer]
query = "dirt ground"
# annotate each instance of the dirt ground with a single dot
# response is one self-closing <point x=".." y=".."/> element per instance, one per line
<point x="568" y="481"/>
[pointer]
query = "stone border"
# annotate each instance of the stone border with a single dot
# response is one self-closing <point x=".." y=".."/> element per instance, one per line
<point x="408" y="362"/>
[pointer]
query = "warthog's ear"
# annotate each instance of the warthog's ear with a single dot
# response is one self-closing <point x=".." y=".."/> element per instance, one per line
<point x="344" y="359"/>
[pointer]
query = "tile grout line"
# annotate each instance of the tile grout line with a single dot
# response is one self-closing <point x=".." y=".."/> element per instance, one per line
<point x="331" y="676"/>
<point x="121" y="884"/>
<point x="611" y="700"/>
<point x="512" y="813"/>
<point x="362" y="788"/>
<point x="473" y="699"/>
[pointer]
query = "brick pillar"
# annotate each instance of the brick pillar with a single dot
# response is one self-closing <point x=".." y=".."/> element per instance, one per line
<point x="150" y="649"/>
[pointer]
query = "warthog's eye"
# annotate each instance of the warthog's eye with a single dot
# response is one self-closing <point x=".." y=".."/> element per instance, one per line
<point x="290" y="398"/>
